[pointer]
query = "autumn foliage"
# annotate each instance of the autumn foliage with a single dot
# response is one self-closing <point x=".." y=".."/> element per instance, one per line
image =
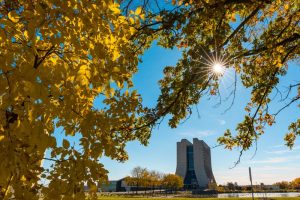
<point x="58" y="57"/>
<point x="143" y="179"/>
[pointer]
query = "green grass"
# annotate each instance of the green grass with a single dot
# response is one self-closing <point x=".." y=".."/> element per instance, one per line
<point x="175" y="198"/>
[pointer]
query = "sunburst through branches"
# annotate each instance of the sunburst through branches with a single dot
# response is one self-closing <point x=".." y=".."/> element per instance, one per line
<point x="213" y="65"/>
<point x="218" y="68"/>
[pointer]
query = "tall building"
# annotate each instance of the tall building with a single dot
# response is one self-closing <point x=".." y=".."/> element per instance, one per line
<point x="194" y="164"/>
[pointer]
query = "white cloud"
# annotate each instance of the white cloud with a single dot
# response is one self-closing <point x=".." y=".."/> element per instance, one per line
<point x="275" y="168"/>
<point x="278" y="146"/>
<point x="284" y="151"/>
<point x="222" y="122"/>
<point x="203" y="133"/>
<point x="273" y="160"/>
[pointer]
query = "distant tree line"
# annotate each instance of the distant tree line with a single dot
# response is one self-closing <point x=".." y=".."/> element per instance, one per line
<point x="282" y="186"/>
<point x="144" y="179"/>
<point x="295" y="184"/>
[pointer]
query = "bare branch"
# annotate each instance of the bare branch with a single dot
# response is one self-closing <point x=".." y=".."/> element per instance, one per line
<point x="287" y="105"/>
<point x="233" y="92"/>
<point x="289" y="91"/>
<point x="238" y="160"/>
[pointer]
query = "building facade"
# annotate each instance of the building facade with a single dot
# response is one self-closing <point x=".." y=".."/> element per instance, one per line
<point x="194" y="164"/>
<point x="115" y="186"/>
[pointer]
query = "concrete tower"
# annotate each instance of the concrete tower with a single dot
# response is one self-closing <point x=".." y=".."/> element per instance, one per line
<point x="194" y="164"/>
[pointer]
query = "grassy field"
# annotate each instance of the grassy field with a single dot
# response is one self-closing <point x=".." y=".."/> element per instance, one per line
<point x="168" y="198"/>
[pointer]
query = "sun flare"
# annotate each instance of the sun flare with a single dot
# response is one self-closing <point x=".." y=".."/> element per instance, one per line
<point x="218" y="68"/>
<point x="214" y="65"/>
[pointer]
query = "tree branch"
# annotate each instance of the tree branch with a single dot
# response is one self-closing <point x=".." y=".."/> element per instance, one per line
<point x="293" y="38"/>
<point x="38" y="61"/>
<point x="287" y="105"/>
<point x="254" y="12"/>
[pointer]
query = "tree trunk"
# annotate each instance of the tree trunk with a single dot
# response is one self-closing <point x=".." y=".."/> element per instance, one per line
<point x="136" y="189"/>
<point x="152" y="190"/>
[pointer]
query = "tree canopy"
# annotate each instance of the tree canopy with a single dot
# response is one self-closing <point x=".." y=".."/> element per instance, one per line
<point x="142" y="178"/>
<point x="145" y="179"/>
<point x="58" y="57"/>
<point x="296" y="183"/>
<point x="172" y="181"/>
<point x="256" y="39"/>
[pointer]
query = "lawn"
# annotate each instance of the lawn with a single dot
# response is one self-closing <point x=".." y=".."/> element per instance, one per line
<point x="137" y="198"/>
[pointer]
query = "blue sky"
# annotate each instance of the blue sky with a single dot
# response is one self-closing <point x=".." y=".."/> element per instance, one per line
<point x="273" y="161"/>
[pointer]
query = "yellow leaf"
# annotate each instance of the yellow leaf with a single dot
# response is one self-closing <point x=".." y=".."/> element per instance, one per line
<point x="71" y="78"/>
<point x="37" y="38"/>
<point x="80" y="23"/>
<point x="84" y="70"/>
<point x="280" y="49"/>
<point x="23" y="178"/>
<point x="158" y="18"/>
<point x="92" y="46"/>
<point x="120" y="84"/>
<point x="116" y="69"/>
<point x="110" y="92"/>
<point x="115" y="9"/>
<point x="233" y="17"/>
<point x="138" y="11"/>
<point x="54" y="59"/>
<point x="98" y="89"/>
<point x="279" y="64"/>
<point x="126" y="93"/>
<point x="131" y="20"/>
<point x="132" y="30"/>
<point x="116" y="55"/>
<point x="67" y="18"/>
<point x="26" y="34"/>
<point x="1" y="137"/>
<point x="13" y="16"/>
<point x="272" y="9"/>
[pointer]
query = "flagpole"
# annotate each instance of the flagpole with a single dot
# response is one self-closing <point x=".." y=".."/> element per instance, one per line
<point x="250" y="175"/>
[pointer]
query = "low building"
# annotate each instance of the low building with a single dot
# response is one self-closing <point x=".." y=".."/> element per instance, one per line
<point x="271" y="187"/>
<point x="115" y="186"/>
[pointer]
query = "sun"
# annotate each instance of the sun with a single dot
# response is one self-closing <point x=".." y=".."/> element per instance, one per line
<point x="214" y="65"/>
<point x="218" y="68"/>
